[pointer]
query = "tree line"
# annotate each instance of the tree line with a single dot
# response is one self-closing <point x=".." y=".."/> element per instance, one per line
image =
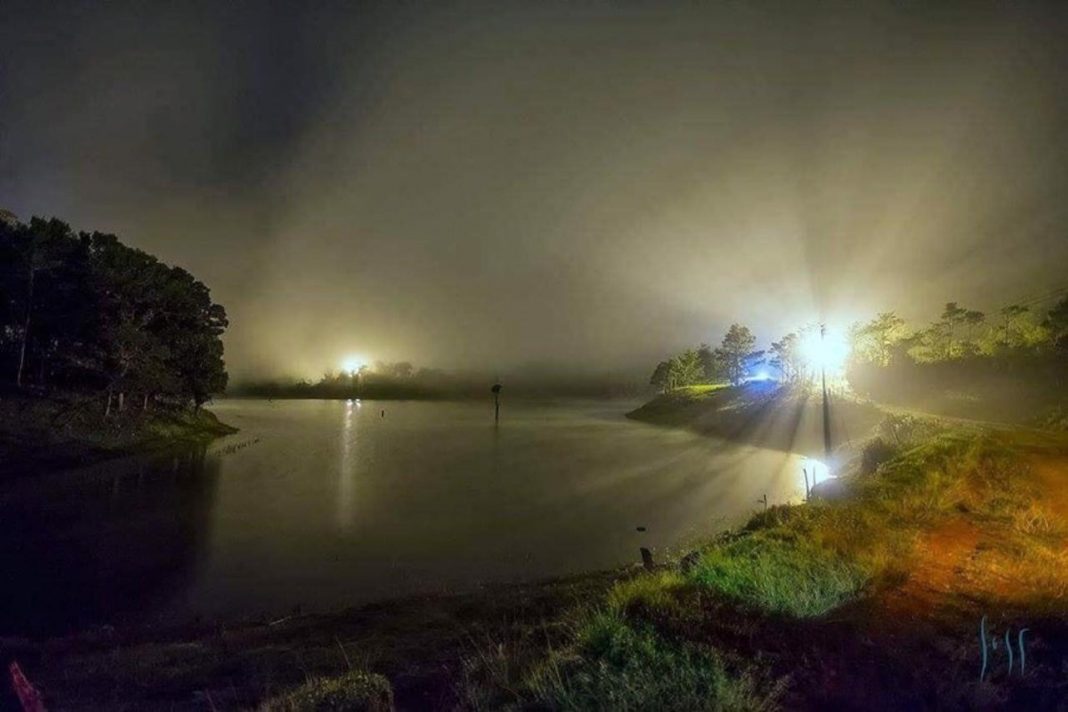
<point x="381" y="379"/>
<point x="1013" y="333"/>
<point x="1015" y="356"/>
<point x="81" y="312"/>
<point x="733" y="360"/>
<point x="1017" y="341"/>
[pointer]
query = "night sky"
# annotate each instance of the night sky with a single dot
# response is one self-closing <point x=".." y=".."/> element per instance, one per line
<point x="581" y="184"/>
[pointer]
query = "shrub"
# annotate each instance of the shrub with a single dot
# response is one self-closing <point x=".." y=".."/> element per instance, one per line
<point x="356" y="691"/>
<point x="622" y="666"/>
<point x="875" y="453"/>
<point x="1055" y="418"/>
<point x="907" y="430"/>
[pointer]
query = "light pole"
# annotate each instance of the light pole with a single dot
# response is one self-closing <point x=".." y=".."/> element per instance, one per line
<point x="826" y="403"/>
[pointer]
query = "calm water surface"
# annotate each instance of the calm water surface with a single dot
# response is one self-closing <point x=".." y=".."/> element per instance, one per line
<point x="324" y="504"/>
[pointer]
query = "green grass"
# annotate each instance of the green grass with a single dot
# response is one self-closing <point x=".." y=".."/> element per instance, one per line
<point x="618" y="664"/>
<point x="698" y="391"/>
<point x="652" y="591"/>
<point x="796" y="578"/>
<point x="799" y="562"/>
<point x="806" y="561"/>
<point x="680" y="404"/>
<point x="803" y="562"/>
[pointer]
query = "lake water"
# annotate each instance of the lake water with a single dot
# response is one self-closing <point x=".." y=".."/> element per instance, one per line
<point x="326" y="504"/>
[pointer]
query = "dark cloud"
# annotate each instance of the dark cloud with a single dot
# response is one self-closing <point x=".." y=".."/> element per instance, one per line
<point x="486" y="185"/>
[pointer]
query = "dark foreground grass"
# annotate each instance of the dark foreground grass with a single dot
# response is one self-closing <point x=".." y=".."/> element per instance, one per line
<point x="356" y="691"/>
<point x="620" y="664"/>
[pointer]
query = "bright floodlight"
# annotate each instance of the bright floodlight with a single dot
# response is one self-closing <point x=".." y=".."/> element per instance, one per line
<point x="353" y="363"/>
<point x="825" y="352"/>
<point x="815" y="470"/>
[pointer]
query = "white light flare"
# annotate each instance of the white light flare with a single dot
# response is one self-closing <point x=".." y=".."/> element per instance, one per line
<point x="811" y="473"/>
<point x="815" y="470"/>
<point x="353" y="363"/>
<point x="825" y="352"/>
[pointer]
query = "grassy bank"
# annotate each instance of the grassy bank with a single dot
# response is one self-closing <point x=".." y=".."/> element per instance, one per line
<point x="38" y="434"/>
<point x="870" y="600"/>
<point x="760" y="413"/>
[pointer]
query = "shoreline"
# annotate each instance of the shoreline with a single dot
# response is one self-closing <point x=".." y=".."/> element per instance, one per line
<point x="40" y="436"/>
<point x="418" y="641"/>
<point x="765" y="415"/>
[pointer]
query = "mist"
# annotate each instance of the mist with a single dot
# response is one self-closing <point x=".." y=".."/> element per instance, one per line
<point x="488" y="186"/>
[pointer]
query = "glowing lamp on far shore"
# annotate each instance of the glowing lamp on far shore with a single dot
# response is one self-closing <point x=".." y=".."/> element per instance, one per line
<point x="353" y="364"/>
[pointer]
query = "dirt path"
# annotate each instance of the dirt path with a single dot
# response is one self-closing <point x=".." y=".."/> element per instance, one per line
<point x="1010" y="571"/>
<point x="941" y="571"/>
<point x="1051" y="474"/>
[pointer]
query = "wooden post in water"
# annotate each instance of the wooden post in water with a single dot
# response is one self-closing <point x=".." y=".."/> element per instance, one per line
<point x="647" y="559"/>
<point x="496" y="403"/>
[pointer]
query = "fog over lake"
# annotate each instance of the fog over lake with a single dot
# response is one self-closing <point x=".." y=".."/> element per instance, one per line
<point x="325" y="504"/>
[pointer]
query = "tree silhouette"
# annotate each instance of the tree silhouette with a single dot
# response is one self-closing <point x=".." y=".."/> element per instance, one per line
<point x="86" y="313"/>
<point x="735" y="352"/>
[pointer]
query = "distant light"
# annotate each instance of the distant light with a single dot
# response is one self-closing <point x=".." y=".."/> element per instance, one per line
<point x="760" y="376"/>
<point x="825" y="352"/>
<point x="353" y="363"/>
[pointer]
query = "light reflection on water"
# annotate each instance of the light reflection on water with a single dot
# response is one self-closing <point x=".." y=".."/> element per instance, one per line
<point x="335" y="505"/>
<point x="346" y="473"/>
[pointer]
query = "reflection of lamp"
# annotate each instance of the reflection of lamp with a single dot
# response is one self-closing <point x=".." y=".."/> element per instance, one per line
<point x="354" y="366"/>
<point x="814" y="472"/>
